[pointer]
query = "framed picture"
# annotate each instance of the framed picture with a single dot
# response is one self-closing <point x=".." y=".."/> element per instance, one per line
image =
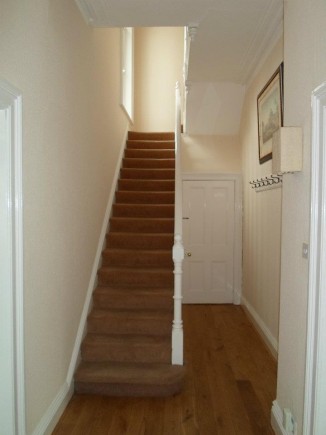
<point x="270" y="113"/>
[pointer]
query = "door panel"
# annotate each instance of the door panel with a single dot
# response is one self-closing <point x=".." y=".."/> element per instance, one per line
<point x="208" y="229"/>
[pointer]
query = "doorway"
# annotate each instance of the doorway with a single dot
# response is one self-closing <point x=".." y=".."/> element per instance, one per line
<point x="12" y="399"/>
<point x="212" y="239"/>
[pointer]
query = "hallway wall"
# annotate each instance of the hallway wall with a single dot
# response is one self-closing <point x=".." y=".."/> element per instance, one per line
<point x="158" y="66"/>
<point x="305" y="69"/>
<point x="73" y="128"/>
<point x="211" y="154"/>
<point x="261" y="216"/>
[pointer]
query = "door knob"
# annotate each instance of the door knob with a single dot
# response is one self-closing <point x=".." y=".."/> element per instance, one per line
<point x="188" y="254"/>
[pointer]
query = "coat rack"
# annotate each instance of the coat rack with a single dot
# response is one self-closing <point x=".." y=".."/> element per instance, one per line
<point x="267" y="183"/>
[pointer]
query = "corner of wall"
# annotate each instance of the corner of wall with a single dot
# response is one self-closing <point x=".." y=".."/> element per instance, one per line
<point x="261" y="327"/>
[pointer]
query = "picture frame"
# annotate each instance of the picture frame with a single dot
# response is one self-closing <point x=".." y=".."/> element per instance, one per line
<point x="269" y="113"/>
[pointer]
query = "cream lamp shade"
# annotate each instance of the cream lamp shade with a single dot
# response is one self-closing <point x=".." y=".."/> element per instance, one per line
<point x="287" y="150"/>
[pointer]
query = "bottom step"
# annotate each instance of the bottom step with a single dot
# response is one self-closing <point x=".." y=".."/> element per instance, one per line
<point x="129" y="379"/>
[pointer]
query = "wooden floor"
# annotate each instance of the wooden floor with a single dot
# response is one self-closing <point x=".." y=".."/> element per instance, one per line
<point x="230" y="385"/>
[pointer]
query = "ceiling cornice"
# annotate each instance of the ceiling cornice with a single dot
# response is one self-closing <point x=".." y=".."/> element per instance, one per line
<point x="271" y="28"/>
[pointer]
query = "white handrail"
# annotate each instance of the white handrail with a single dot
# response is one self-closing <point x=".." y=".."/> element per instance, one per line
<point x="178" y="250"/>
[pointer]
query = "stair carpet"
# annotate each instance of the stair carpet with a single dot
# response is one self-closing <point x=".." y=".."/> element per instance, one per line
<point x="127" y="348"/>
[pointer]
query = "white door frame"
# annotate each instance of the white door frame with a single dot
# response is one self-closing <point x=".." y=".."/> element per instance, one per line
<point x="12" y="398"/>
<point x="237" y="179"/>
<point x="314" y="422"/>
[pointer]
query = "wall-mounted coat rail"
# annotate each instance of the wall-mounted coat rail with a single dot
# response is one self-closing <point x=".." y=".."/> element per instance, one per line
<point x="266" y="183"/>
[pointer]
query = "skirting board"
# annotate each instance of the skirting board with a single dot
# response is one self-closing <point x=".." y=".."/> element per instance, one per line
<point x="277" y="419"/>
<point x="55" y="410"/>
<point x="261" y="327"/>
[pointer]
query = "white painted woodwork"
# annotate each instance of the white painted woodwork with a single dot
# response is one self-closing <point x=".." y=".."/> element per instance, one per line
<point x="314" y="422"/>
<point x="12" y="397"/>
<point x="208" y="228"/>
<point x="178" y="250"/>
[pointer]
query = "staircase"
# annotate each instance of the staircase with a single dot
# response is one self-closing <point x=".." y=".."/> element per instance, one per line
<point x="127" y="349"/>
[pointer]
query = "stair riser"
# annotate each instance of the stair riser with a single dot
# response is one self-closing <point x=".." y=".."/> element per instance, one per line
<point x="153" y="327"/>
<point x="148" y="185"/>
<point x="143" y="210"/>
<point x="148" y="163"/>
<point x="133" y="300"/>
<point x="142" y="225"/>
<point x="150" y="145"/>
<point x="129" y="259"/>
<point x="135" y="279"/>
<point x="141" y="353"/>
<point x="139" y="241"/>
<point x="129" y="390"/>
<point x="151" y="136"/>
<point x="145" y="197"/>
<point x="149" y="154"/>
<point x="147" y="174"/>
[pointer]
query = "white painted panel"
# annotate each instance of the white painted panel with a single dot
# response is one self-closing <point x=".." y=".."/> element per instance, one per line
<point x="219" y="274"/>
<point x="196" y="275"/>
<point x="196" y="209"/>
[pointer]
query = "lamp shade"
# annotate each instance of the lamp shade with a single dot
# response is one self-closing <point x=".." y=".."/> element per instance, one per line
<point x="287" y="150"/>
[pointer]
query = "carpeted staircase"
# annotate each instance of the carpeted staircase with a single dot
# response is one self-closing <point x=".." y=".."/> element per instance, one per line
<point x="127" y="349"/>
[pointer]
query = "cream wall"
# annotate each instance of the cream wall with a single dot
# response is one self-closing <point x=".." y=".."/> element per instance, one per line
<point x="214" y="108"/>
<point x="158" y="66"/>
<point x="73" y="128"/>
<point x="261" y="216"/>
<point x="211" y="154"/>
<point x="305" y="69"/>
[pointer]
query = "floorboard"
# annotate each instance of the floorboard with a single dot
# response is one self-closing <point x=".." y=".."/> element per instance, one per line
<point x="229" y="387"/>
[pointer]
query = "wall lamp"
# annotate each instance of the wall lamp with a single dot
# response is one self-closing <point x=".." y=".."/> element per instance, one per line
<point x="287" y="150"/>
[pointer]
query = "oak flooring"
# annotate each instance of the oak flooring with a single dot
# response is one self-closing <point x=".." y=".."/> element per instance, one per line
<point x="229" y="387"/>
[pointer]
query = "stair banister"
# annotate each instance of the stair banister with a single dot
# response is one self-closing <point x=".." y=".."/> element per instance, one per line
<point x="178" y="249"/>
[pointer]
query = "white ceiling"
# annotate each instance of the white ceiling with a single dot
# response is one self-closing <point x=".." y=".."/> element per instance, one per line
<point x="232" y="34"/>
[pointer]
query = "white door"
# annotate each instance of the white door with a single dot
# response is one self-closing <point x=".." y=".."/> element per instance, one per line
<point x="208" y="231"/>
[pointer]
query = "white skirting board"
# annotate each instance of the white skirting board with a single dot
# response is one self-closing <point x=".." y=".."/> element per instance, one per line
<point x="55" y="410"/>
<point x="277" y="419"/>
<point x="260" y="325"/>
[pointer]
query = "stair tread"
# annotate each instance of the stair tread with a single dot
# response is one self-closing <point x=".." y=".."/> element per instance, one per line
<point x="140" y="205"/>
<point x="139" y="251"/>
<point x="163" y="174"/>
<point x="126" y="339"/>
<point x="136" y="271"/>
<point x="154" y="153"/>
<point x="124" y="372"/>
<point x="158" y="159"/>
<point x="146" y="192"/>
<point x="125" y="233"/>
<point x="136" y="184"/>
<point x="151" y="135"/>
<point x="135" y="218"/>
<point x="131" y="314"/>
<point x="107" y="289"/>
